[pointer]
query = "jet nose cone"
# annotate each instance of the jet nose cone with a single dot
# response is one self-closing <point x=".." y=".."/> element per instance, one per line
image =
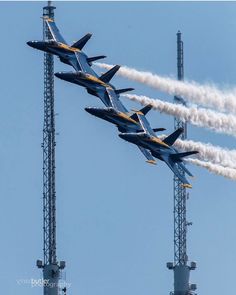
<point x="95" y="111"/>
<point x="89" y="110"/>
<point x="58" y="74"/>
<point x="35" y="44"/>
<point x="123" y="136"/>
<point x="64" y="75"/>
<point x="30" y="43"/>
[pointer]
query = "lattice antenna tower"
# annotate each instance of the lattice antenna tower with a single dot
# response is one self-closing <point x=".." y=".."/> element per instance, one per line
<point x="180" y="265"/>
<point x="51" y="267"/>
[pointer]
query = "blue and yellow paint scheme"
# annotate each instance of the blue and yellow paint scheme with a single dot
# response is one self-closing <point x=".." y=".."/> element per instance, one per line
<point x="71" y="55"/>
<point x="161" y="149"/>
<point x="115" y="112"/>
<point x="85" y="76"/>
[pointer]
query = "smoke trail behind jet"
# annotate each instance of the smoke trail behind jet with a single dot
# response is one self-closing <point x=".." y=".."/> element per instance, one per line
<point x="214" y="168"/>
<point x="218" y="122"/>
<point x="208" y="152"/>
<point x="204" y="95"/>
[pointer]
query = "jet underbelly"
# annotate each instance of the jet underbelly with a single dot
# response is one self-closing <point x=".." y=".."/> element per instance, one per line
<point x="120" y="121"/>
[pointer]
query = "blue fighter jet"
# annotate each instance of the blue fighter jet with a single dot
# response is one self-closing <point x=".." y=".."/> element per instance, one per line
<point x="125" y="122"/>
<point x="71" y="55"/>
<point x="97" y="86"/>
<point x="161" y="149"/>
<point x="114" y="112"/>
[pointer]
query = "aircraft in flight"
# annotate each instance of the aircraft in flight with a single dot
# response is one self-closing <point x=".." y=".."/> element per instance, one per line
<point x="161" y="149"/>
<point x="97" y="86"/>
<point x="71" y="55"/>
<point x="114" y="112"/>
<point x="125" y="122"/>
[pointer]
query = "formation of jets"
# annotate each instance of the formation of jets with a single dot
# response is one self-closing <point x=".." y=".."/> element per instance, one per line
<point x="133" y="127"/>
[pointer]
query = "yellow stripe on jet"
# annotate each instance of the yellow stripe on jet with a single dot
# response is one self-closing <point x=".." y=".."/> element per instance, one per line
<point x="186" y="185"/>
<point x="45" y="17"/>
<point x="157" y="140"/>
<point x="124" y="116"/>
<point x="69" y="48"/>
<point x="137" y="112"/>
<point x="97" y="80"/>
<point x="153" y="162"/>
<point x="49" y="19"/>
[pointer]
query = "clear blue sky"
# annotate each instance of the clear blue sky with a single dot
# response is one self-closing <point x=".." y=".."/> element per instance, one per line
<point x="115" y="221"/>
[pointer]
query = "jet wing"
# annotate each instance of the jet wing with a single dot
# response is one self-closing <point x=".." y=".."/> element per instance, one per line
<point x="102" y="94"/>
<point x="56" y="35"/>
<point x="83" y="65"/>
<point x="147" y="155"/>
<point x="175" y="168"/>
<point x="115" y="102"/>
<point x="185" y="169"/>
<point x="145" y="124"/>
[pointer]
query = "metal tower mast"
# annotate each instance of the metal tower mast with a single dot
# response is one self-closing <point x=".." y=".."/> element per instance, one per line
<point x="180" y="266"/>
<point x="51" y="267"/>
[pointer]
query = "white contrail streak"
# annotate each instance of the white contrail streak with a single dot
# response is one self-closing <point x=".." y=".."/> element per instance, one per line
<point x="208" y="152"/>
<point x="214" y="168"/>
<point x="218" y="122"/>
<point x="210" y="96"/>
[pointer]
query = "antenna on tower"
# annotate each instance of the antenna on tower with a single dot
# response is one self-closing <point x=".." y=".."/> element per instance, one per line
<point x="180" y="266"/>
<point x="50" y="266"/>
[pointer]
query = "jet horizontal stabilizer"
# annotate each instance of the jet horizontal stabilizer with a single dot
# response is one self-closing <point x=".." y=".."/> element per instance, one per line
<point x="158" y="129"/>
<point x="143" y="111"/>
<point x="170" y="140"/>
<point x="93" y="58"/>
<point x="80" y="44"/>
<point x="109" y="75"/>
<point x="178" y="157"/>
<point x="154" y="129"/>
<point x="119" y="91"/>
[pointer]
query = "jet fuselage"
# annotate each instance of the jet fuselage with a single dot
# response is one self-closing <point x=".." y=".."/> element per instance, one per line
<point x="120" y="119"/>
<point x="154" y="144"/>
<point x="63" y="51"/>
<point x="84" y="79"/>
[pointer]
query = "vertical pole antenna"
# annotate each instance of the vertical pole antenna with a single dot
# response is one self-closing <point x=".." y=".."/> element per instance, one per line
<point x="180" y="265"/>
<point x="51" y="267"/>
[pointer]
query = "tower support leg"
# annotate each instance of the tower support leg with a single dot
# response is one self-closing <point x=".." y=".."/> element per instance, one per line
<point x="51" y="276"/>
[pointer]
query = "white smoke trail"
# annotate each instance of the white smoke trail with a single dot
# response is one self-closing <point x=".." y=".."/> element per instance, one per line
<point x="214" y="168"/>
<point x="210" y="96"/>
<point x="218" y="122"/>
<point x="208" y="152"/>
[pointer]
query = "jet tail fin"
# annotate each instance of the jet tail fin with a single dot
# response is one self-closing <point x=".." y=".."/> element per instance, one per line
<point x="178" y="157"/>
<point x="80" y="44"/>
<point x="170" y="140"/>
<point x="109" y="75"/>
<point x="143" y="111"/>
<point x="119" y="91"/>
<point x="94" y="58"/>
<point x="54" y="31"/>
